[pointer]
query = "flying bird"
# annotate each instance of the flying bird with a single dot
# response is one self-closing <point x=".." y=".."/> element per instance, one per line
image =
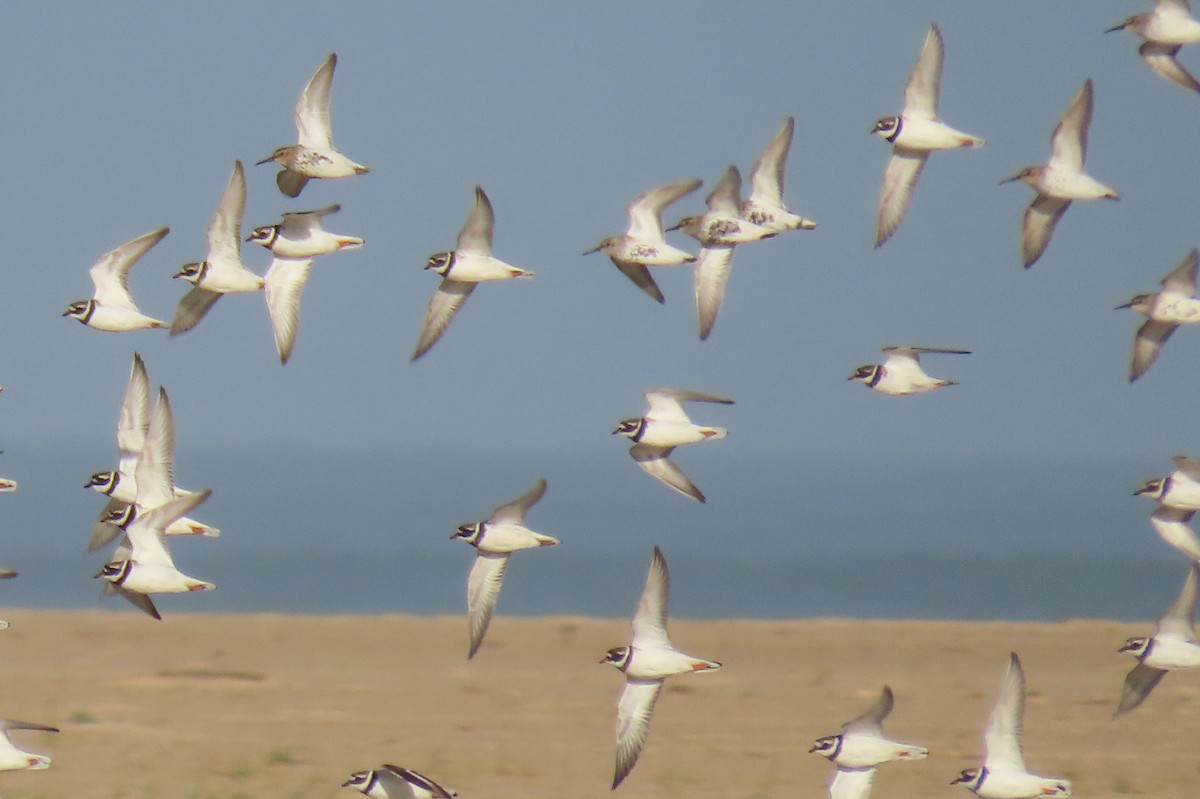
<point x="394" y="782"/>
<point x="1061" y="179"/>
<point x="111" y="308"/>
<point x="301" y="235"/>
<point x="901" y="374"/>
<point x="644" y="243"/>
<point x="646" y="663"/>
<point x="222" y="271"/>
<point x="722" y="224"/>
<point x="765" y="206"/>
<point x="718" y="230"/>
<point x="914" y="135"/>
<point x="1172" y="647"/>
<point x="1179" y="490"/>
<point x="495" y="540"/>
<point x="1177" y="304"/>
<point x="860" y="747"/>
<point x="469" y="264"/>
<point x="1003" y="775"/>
<point x="141" y="564"/>
<point x="120" y="484"/>
<point x="1165" y="30"/>
<point x="314" y="156"/>
<point x="664" y="427"/>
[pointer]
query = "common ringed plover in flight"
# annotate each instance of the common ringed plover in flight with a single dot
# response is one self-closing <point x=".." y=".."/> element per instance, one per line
<point x="1165" y="29"/>
<point x="142" y="565"/>
<point x="860" y="747"/>
<point x="901" y="374"/>
<point x="14" y="759"/>
<point x="644" y="244"/>
<point x="665" y="427"/>
<point x="469" y="264"/>
<point x="914" y="135"/>
<point x="1173" y="646"/>
<point x="1179" y="490"/>
<point x="765" y="206"/>
<point x="1177" y="304"/>
<point x="112" y="307"/>
<point x="1178" y="498"/>
<point x="1060" y="180"/>
<point x="300" y="235"/>
<point x="314" y="156"/>
<point x="120" y="484"/>
<point x="394" y="782"/>
<point x="495" y="540"/>
<point x="1003" y="775"/>
<point x="222" y="271"/>
<point x="646" y="662"/>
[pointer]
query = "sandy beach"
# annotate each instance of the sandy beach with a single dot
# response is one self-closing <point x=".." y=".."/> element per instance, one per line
<point x="263" y="705"/>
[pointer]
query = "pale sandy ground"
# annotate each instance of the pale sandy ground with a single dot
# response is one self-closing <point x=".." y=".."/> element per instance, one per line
<point x="200" y="706"/>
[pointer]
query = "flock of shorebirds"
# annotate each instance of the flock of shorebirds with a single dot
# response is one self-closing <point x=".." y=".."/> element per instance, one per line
<point x="144" y="505"/>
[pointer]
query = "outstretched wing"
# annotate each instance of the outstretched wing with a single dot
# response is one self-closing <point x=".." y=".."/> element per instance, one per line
<point x="1037" y="228"/>
<point x="285" y="281"/>
<point x="449" y="297"/>
<point x="899" y="180"/>
<point x="650" y="618"/>
<point x="634" y="709"/>
<point x="925" y="82"/>
<point x="1139" y="682"/>
<point x="766" y="178"/>
<point x="1068" y="143"/>
<point x="483" y="589"/>
<point x="311" y="114"/>
<point x="657" y="463"/>
<point x="1003" y="734"/>
<point x="476" y="234"/>
<point x="871" y="722"/>
<point x="514" y="512"/>
<point x="710" y="274"/>
<point x="645" y="212"/>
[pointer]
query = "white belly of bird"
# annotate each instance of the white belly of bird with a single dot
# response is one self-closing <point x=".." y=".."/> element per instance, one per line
<point x="866" y="751"/>
<point x="655" y="664"/>
<point x="1172" y="28"/>
<point x="499" y="539"/>
<point x="1019" y="785"/>
<point x="927" y="134"/>
<point x="653" y="254"/>
<point x="232" y="281"/>
<point x="1184" y="494"/>
<point x="156" y="579"/>
<point x="1067" y="184"/>
<point x="674" y="434"/>
<point x="897" y="385"/>
<point x="470" y="268"/>
<point x="319" y="243"/>
<point x="118" y="320"/>
<point x="1173" y="655"/>
<point x="1176" y="309"/>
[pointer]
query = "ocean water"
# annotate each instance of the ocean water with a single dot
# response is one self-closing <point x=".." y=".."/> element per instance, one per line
<point x="902" y="537"/>
<point x="549" y="582"/>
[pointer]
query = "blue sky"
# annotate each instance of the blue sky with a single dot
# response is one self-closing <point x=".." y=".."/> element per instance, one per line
<point x="128" y="116"/>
